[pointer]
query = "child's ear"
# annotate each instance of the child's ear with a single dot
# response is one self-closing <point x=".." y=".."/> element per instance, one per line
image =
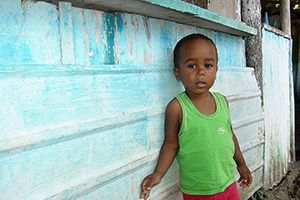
<point x="216" y="72"/>
<point x="177" y="74"/>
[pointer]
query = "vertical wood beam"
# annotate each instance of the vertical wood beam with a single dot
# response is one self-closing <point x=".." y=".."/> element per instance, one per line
<point x="251" y="15"/>
<point x="285" y="16"/>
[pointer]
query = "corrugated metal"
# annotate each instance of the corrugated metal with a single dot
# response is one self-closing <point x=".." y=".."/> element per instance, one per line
<point x="277" y="95"/>
<point x="83" y="94"/>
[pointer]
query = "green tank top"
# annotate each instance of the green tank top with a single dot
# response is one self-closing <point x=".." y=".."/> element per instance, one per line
<point x="206" y="148"/>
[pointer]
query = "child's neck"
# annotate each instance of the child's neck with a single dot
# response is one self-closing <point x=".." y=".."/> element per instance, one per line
<point x="204" y="103"/>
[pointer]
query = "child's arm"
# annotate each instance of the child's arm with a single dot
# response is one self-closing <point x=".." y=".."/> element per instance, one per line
<point x="245" y="174"/>
<point x="168" y="150"/>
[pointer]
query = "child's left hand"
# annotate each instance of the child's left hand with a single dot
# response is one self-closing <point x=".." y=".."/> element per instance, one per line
<point x="245" y="179"/>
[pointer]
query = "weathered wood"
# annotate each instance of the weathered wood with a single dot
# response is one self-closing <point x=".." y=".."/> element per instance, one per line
<point x="251" y="15"/>
<point x="285" y="16"/>
<point x="66" y="33"/>
<point x="176" y="11"/>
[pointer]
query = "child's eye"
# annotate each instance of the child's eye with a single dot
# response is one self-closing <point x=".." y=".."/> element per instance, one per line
<point x="208" y="65"/>
<point x="192" y="66"/>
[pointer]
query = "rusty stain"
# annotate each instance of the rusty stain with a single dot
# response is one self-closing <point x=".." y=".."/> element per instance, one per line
<point x="145" y="20"/>
<point x="129" y="42"/>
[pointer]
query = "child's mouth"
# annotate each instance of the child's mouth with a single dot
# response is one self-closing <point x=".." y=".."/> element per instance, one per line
<point x="200" y="84"/>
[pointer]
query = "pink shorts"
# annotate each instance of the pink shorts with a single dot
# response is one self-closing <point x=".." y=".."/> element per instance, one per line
<point x="230" y="193"/>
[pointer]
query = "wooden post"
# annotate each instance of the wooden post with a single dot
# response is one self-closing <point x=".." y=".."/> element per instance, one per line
<point x="285" y="16"/>
<point x="251" y="15"/>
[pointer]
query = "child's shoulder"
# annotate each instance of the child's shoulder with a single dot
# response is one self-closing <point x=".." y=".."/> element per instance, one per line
<point x="218" y="94"/>
<point x="173" y="103"/>
<point x="173" y="110"/>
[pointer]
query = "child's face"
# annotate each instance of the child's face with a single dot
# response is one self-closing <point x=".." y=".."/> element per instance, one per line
<point x="197" y="66"/>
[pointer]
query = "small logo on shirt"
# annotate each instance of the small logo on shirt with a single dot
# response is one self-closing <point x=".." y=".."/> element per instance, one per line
<point x="221" y="131"/>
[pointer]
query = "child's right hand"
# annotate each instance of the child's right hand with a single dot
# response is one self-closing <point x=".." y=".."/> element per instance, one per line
<point x="148" y="183"/>
<point x="245" y="179"/>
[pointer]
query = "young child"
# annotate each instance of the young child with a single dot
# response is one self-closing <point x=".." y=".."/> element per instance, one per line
<point x="198" y="130"/>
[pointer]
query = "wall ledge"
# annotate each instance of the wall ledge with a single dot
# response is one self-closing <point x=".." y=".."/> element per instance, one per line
<point x="171" y="10"/>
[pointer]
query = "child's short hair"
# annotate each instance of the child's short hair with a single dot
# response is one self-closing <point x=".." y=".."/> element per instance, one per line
<point x="187" y="38"/>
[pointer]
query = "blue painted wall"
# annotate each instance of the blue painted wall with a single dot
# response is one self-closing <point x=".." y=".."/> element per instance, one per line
<point x="83" y="94"/>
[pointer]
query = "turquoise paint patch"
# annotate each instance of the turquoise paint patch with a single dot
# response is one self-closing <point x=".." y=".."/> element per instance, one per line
<point x="119" y="22"/>
<point x="225" y="44"/>
<point x="109" y="28"/>
<point x="20" y="42"/>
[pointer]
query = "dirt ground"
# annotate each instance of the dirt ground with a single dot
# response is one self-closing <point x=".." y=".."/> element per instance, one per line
<point x="289" y="188"/>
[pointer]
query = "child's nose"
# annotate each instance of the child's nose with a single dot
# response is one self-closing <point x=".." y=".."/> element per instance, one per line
<point x="200" y="71"/>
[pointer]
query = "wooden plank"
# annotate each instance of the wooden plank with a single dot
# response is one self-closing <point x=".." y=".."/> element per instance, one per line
<point x="66" y="33"/>
<point x="176" y="11"/>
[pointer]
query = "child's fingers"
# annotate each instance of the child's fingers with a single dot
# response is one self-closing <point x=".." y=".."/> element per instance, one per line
<point x="250" y="179"/>
<point x="145" y="189"/>
<point x="240" y="179"/>
<point x="145" y="193"/>
<point x="245" y="183"/>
